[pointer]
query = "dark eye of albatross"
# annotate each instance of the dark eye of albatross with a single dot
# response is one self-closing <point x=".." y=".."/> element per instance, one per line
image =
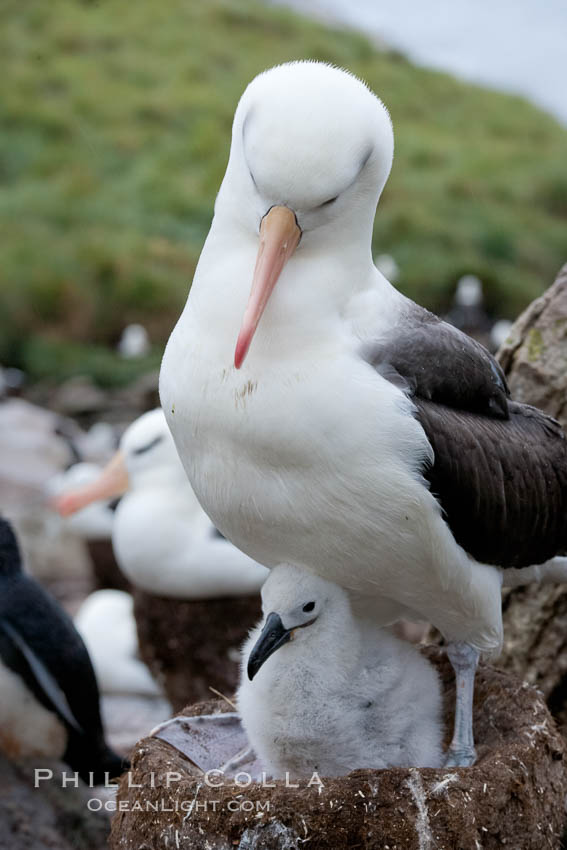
<point x="309" y="606"/>
<point x="149" y="446"/>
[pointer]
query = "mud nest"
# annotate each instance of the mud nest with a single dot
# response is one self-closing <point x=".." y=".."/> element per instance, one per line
<point x="514" y="795"/>
<point x="106" y="572"/>
<point x="191" y="646"/>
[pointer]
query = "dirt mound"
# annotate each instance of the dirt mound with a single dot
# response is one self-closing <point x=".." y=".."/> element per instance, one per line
<point x="192" y="645"/>
<point x="106" y="572"/>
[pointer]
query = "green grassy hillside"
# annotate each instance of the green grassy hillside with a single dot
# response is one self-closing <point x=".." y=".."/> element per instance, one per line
<point x="115" y="132"/>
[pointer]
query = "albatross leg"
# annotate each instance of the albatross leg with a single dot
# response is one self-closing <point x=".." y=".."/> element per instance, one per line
<point x="464" y="659"/>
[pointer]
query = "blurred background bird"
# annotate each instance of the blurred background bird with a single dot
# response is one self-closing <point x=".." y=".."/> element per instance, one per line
<point x="49" y="703"/>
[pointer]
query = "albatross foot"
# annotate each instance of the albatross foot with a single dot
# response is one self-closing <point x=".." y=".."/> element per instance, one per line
<point x="243" y="757"/>
<point x="464" y="757"/>
<point x="211" y="741"/>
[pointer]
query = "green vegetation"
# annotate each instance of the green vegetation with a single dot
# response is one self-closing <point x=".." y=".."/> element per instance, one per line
<point x="116" y="125"/>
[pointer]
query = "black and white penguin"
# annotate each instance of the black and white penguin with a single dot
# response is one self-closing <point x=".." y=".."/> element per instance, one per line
<point x="49" y="697"/>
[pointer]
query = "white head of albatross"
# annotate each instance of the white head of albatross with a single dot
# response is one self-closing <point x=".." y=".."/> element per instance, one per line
<point x="307" y="169"/>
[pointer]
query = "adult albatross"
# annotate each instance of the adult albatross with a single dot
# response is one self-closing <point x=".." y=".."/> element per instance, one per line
<point x="350" y="432"/>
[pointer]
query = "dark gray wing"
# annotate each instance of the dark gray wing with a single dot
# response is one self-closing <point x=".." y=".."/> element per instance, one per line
<point x="500" y="468"/>
<point x="502" y="483"/>
<point x="441" y="364"/>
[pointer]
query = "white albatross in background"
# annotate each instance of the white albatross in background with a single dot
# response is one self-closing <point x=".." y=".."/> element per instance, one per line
<point x="106" y="624"/>
<point x="162" y="539"/>
<point x="350" y="432"/>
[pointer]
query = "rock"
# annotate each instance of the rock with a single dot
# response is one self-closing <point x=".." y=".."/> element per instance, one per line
<point x="514" y="795"/>
<point x="92" y="406"/>
<point x="58" y="559"/>
<point x="127" y="717"/>
<point x="535" y="642"/>
<point x="534" y="357"/>
<point x="141" y="395"/>
<point x="78" y="397"/>
<point x="48" y="816"/>
<point x="30" y="451"/>
<point x="193" y="645"/>
<point x="35" y="446"/>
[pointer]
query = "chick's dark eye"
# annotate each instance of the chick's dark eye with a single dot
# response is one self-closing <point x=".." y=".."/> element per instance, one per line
<point x="309" y="606"/>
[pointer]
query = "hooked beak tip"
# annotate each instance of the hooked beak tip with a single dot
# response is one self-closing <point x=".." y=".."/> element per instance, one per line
<point x="240" y="354"/>
<point x="272" y="636"/>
